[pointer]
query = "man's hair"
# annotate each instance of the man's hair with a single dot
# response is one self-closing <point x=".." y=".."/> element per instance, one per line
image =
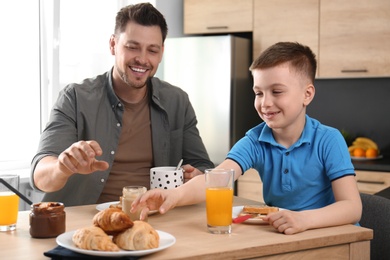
<point x="300" y="57"/>
<point x="144" y="14"/>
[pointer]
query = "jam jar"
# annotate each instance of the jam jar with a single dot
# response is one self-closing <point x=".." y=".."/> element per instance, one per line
<point x="47" y="219"/>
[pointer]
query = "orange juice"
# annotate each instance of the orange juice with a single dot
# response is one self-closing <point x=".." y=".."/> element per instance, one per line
<point x="9" y="205"/>
<point x="219" y="206"/>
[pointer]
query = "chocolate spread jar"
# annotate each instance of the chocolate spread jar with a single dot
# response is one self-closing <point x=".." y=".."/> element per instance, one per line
<point x="47" y="219"/>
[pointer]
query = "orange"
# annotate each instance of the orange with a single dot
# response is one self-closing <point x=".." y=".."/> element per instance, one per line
<point x="359" y="152"/>
<point x="371" y="153"/>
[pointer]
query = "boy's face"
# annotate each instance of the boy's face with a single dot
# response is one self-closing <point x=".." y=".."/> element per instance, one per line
<point x="138" y="51"/>
<point x="282" y="96"/>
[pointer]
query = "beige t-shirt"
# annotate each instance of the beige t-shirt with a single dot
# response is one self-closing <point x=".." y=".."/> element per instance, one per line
<point x="134" y="156"/>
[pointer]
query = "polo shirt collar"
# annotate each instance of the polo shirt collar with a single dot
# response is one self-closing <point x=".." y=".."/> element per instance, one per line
<point x="307" y="134"/>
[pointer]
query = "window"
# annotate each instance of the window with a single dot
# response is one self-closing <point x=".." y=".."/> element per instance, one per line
<point x="20" y="90"/>
<point x="46" y="44"/>
<point x="75" y="36"/>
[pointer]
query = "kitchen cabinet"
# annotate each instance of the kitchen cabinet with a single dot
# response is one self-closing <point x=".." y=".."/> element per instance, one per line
<point x="350" y="38"/>
<point x="249" y="186"/>
<point x="354" y="38"/>
<point x="372" y="182"/>
<point x="285" y="20"/>
<point x="217" y="16"/>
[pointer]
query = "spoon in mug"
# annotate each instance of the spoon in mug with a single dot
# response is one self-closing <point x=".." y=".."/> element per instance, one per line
<point x="179" y="165"/>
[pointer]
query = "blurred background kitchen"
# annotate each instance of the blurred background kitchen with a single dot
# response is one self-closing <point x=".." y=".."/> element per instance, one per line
<point x="46" y="44"/>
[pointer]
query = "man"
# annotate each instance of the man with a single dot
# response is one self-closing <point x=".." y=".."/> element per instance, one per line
<point x="107" y="132"/>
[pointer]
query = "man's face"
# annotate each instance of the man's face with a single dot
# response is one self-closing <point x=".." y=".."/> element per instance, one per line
<point x="138" y="51"/>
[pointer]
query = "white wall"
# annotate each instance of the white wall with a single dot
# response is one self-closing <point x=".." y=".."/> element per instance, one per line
<point x="173" y="13"/>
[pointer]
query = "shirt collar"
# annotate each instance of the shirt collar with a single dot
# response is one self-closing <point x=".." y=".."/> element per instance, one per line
<point x="155" y="86"/>
<point x="114" y="100"/>
<point x="306" y="136"/>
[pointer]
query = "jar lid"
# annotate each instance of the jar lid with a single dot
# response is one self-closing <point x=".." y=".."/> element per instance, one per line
<point x="47" y="207"/>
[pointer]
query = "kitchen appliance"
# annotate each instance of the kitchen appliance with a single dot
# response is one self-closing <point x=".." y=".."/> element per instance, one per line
<point x="214" y="71"/>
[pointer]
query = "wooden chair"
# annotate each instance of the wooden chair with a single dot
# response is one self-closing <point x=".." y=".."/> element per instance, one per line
<point x="376" y="216"/>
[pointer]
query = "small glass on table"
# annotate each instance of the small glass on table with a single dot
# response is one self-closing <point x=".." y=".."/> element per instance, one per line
<point x="219" y="200"/>
<point x="129" y="194"/>
<point x="9" y="203"/>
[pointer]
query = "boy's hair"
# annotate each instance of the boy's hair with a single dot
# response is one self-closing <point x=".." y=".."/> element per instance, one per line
<point x="301" y="58"/>
<point x="144" y="14"/>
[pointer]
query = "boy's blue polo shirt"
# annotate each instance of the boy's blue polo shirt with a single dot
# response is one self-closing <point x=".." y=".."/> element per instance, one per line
<point x="299" y="177"/>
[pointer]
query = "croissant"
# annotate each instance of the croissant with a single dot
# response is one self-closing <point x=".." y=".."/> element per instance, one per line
<point x="117" y="205"/>
<point x="141" y="236"/>
<point x="112" y="220"/>
<point x="93" y="238"/>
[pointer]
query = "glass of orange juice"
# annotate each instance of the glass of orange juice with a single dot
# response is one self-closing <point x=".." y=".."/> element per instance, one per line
<point x="219" y="200"/>
<point x="9" y="203"/>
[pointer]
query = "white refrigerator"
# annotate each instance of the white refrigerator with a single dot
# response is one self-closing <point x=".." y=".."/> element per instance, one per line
<point x="214" y="71"/>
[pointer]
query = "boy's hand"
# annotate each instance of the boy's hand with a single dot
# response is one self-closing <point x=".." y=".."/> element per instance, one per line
<point x="287" y="222"/>
<point x="155" y="199"/>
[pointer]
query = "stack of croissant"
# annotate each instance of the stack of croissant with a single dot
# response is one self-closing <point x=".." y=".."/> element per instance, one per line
<point x="113" y="230"/>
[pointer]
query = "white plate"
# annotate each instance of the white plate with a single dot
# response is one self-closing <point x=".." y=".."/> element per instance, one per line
<point x="366" y="159"/>
<point x="237" y="210"/>
<point x="65" y="240"/>
<point x="106" y="205"/>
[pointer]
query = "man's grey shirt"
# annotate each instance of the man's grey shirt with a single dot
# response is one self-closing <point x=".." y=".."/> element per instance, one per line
<point x="91" y="111"/>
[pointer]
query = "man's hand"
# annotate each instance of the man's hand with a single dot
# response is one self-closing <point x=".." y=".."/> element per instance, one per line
<point x="52" y="173"/>
<point x="190" y="172"/>
<point x="80" y="158"/>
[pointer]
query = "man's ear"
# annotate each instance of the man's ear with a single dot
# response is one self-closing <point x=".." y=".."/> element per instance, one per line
<point x="162" y="52"/>
<point x="112" y="44"/>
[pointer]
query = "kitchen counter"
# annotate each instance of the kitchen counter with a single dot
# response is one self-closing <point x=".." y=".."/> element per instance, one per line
<point x="380" y="165"/>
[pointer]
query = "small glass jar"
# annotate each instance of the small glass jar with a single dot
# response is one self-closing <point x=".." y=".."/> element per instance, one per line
<point x="129" y="194"/>
<point x="47" y="219"/>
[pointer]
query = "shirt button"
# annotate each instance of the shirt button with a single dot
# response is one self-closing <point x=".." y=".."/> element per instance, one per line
<point x="287" y="153"/>
<point x="112" y="152"/>
<point x="119" y="105"/>
<point x="118" y="124"/>
<point x="102" y="180"/>
<point x="285" y="171"/>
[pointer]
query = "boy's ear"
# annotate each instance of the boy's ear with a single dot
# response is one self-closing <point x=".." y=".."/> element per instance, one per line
<point x="309" y="94"/>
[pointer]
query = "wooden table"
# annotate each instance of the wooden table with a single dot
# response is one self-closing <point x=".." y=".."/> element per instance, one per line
<point x="188" y="225"/>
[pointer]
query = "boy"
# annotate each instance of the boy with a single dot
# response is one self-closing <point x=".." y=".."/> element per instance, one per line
<point x="305" y="166"/>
